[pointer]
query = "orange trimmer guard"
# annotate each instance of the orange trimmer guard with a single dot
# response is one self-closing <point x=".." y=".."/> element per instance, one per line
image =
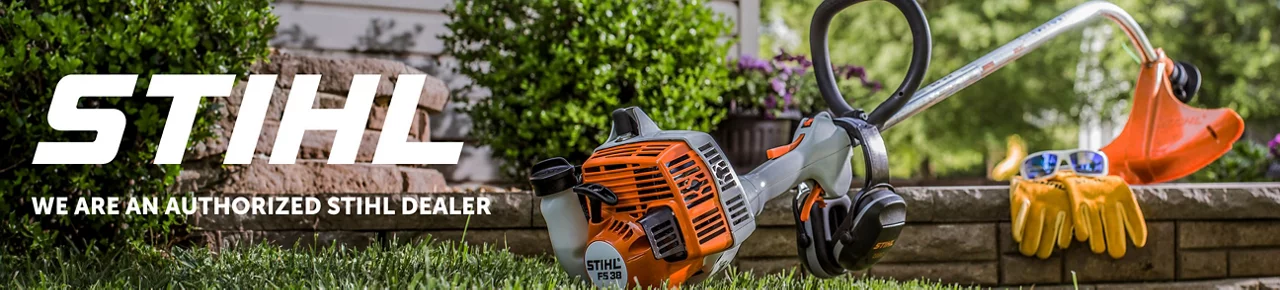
<point x="1165" y="139"/>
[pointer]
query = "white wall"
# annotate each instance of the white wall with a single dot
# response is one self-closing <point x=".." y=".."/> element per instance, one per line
<point x="411" y="28"/>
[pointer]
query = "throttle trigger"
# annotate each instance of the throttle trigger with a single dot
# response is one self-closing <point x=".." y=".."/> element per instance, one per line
<point x="815" y="196"/>
<point x="784" y="149"/>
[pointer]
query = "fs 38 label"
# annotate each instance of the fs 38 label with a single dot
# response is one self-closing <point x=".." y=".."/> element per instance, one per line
<point x="605" y="266"/>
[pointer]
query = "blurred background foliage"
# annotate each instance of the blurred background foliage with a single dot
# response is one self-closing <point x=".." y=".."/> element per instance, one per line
<point x="1230" y="41"/>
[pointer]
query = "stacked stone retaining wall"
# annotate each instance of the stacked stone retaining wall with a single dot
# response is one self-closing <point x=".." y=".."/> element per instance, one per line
<point x="204" y="172"/>
<point x="1208" y="234"/>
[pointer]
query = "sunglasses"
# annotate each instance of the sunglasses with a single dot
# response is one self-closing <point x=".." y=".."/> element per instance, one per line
<point x="1046" y="163"/>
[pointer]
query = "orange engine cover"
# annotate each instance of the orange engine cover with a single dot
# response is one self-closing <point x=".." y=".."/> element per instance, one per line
<point x="651" y="175"/>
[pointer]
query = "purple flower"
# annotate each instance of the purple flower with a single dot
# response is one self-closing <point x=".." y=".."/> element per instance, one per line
<point x="769" y="102"/>
<point x="1275" y="146"/>
<point x="782" y="56"/>
<point x="778" y="86"/>
<point x="786" y="99"/>
<point x="785" y="74"/>
<point x="751" y="63"/>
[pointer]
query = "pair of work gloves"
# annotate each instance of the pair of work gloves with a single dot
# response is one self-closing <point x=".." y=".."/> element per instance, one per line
<point x="1101" y="210"/>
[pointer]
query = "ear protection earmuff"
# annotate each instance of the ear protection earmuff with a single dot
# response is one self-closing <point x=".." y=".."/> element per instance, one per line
<point x="851" y="234"/>
<point x="835" y="234"/>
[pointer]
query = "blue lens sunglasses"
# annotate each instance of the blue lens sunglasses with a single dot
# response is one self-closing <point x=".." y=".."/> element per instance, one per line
<point x="1046" y="163"/>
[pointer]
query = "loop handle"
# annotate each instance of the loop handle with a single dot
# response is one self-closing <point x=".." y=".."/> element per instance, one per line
<point x="922" y="45"/>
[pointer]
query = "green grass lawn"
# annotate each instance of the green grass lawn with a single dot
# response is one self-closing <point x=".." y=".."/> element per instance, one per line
<point x="418" y="265"/>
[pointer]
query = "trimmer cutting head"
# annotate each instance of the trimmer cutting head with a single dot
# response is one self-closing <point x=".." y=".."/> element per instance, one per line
<point x="1164" y="138"/>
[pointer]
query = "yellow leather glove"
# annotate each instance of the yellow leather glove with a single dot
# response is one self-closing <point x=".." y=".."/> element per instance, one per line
<point x="1104" y="210"/>
<point x="1040" y="214"/>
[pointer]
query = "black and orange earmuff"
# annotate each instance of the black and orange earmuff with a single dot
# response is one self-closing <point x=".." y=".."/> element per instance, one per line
<point x="843" y="233"/>
<point x="839" y="234"/>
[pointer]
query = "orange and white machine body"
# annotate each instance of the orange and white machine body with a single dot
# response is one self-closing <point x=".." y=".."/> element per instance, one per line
<point x="681" y="211"/>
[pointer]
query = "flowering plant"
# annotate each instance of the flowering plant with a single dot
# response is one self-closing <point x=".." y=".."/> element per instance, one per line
<point x="1275" y="147"/>
<point x="783" y="86"/>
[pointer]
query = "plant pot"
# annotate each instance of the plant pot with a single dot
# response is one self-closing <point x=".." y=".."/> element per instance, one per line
<point x="745" y="137"/>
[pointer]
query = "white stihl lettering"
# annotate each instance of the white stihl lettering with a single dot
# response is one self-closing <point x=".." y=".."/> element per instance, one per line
<point x="64" y="116"/>
<point x="186" y="91"/>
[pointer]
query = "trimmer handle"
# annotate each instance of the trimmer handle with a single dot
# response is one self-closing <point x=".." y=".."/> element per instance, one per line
<point x="921" y="50"/>
<point x="819" y="152"/>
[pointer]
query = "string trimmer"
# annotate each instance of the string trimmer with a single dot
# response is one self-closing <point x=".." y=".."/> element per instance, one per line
<point x="652" y="206"/>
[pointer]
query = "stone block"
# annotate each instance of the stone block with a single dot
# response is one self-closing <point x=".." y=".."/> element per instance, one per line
<point x="311" y="177"/>
<point x="1272" y="283"/>
<point x="1054" y="287"/>
<point x="537" y="219"/>
<point x="1017" y="269"/>
<point x="377" y="118"/>
<point x="421" y="128"/>
<point x="198" y="178"/>
<point x="774" y="242"/>
<point x="338" y="73"/>
<point x="944" y="243"/>
<point x="1254" y="262"/>
<point x="205" y="222"/>
<point x="778" y="212"/>
<point x="1209" y="201"/>
<point x="229" y="109"/>
<point x="1155" y="261"/>
<point x="278" y="222"/>
<point x="1220" y="234"/>
<point x="964" y="273"/>
<point x="1187" y="285"/>
<point x="920" y="203"/>
<point x="1202" y="264"/>
<point x="970" y="203"/>
<point x="423" y="180"/>
<point x="318" y="144"/>
<point x="324" y="101"/>
<point x="275" y="108"/>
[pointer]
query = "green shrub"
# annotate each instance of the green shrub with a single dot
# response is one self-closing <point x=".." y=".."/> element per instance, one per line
<point x="1247" y="161"/>
<point x="557" y="68"/>
<point x="42" y="41"/>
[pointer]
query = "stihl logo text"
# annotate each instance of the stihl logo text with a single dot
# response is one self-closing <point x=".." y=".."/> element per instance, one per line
<point x="186" y="91"/>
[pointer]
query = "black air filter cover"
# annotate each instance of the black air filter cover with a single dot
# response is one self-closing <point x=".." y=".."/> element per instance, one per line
<point x="664" y="234"/>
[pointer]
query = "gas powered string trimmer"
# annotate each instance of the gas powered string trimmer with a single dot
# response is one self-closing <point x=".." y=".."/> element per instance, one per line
<point x="654" y="205"/>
